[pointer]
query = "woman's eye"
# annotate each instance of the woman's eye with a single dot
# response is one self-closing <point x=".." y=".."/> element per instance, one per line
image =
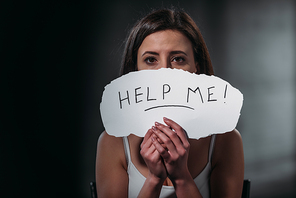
<point x="150" y="60"/>
<point x="178" y="59"/>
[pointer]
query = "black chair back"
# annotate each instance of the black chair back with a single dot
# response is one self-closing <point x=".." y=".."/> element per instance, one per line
<point x="246" y="188"/>
<point x="93" y="190"/>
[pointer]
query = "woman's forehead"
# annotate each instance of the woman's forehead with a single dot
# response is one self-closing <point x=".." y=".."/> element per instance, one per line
<point x="166" y="40"/>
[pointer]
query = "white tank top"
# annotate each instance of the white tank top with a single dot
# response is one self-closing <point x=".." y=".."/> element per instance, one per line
<point x="137" y="180"/>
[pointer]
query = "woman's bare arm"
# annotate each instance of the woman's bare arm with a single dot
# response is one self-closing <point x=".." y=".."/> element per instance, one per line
<point x="228" y="166"/>
<point x="175" y="157"/>
<point x="157" y="171"/>
<point x="111" y="175"/>
<point x="111" y="168"/>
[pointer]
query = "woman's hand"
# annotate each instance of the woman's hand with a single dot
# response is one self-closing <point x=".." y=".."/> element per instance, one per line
<point x="175" y="148"/>
<point x="152" y="157"/>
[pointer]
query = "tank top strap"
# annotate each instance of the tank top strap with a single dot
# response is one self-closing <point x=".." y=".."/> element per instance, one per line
<point x="126" y="150"/>
<point x="212" y="144"/>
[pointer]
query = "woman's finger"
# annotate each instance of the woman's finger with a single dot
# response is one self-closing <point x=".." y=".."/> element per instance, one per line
<point x="165" y="139"/>
<point x="148" y="150"/>
<point x="146" y="137"/>
<point x="159" y="140"/>
<point x="165" y="134"/>
<point x="178" y="129"/>
<point x="162" y="151"/>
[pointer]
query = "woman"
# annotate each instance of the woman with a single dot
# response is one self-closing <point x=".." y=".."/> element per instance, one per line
<point x="165" y="163"/>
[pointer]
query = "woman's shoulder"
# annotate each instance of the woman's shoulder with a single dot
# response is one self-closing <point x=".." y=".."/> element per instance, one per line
<point x="111" y="174"/>
<point x="108" y="140"/>
<point x="227" y="165"/>
<point x="229" y="137"/>
<point x="109" y="145"/>
<point x="228" y="144"/>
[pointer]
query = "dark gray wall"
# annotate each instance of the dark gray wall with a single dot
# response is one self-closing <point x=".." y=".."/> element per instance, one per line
<point x="59" y="55"/>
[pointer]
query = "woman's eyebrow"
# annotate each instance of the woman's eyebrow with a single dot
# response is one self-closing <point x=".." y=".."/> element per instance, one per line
<point x="171" y="53"/>
<point x="178" y="52"/>
<point x="150" y="52"/>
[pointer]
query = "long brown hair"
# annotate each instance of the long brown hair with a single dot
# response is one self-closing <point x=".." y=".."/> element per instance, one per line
<point x="166" y="19"/>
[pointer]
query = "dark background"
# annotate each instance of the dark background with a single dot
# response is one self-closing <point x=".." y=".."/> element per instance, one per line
<point x="57" y="56"/>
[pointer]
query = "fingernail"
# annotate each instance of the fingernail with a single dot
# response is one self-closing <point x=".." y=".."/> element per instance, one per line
<point x="157" y="124"/>
<point x="165" y="119"/>
<point x="153" y="128"/>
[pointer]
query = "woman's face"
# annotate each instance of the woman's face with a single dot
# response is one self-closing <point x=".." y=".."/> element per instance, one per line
<point x="166" y="49"/>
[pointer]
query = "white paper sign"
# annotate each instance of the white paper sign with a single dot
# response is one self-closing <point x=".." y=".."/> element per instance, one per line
<point x="201" y="104"/>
